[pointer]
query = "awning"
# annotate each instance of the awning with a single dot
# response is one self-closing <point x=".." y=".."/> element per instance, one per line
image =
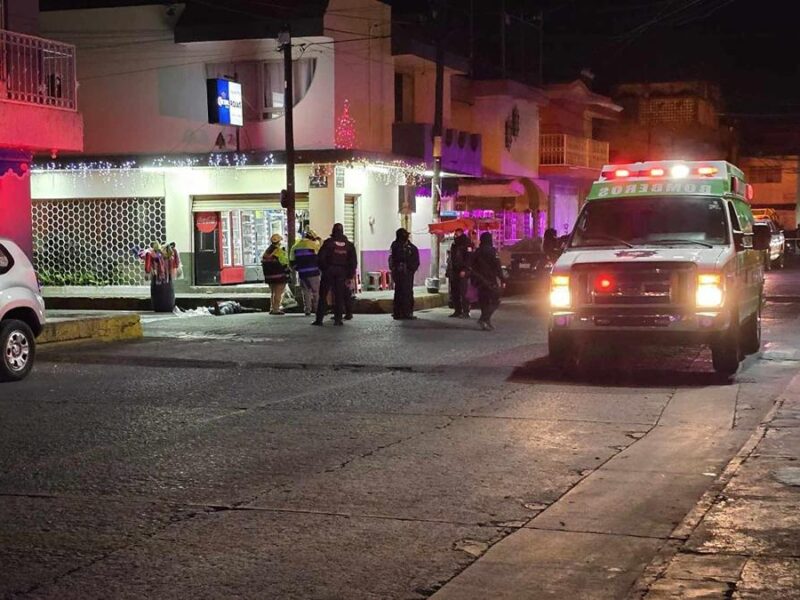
<point x="528" y="193"/>
<point x="465" y="223"/>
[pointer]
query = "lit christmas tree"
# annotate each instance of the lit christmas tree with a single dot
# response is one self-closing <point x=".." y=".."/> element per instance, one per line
<point x="346" y="129"/>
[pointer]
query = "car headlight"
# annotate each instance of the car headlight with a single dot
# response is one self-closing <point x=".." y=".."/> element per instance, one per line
<point x="709" y="291"/>
<point x="559" y="292"/>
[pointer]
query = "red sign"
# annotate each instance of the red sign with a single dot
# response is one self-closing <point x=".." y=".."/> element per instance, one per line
<point x="206" y="222"/>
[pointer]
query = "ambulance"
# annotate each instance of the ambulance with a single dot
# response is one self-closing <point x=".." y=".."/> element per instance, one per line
<point x="661" y="253"/>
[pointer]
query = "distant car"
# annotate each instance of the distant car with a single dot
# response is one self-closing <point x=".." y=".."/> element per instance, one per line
<point x="528" y="271"/>
<point x="776" y="255"/>
<point x="21" y="312"/>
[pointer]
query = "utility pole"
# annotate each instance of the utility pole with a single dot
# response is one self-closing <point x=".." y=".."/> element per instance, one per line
<point x="288" y="199"/>
<point x="436" y="180"/>
<point x="503" y="38"/>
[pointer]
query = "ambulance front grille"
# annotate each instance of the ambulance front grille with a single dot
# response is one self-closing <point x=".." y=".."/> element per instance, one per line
<point x="635" y="284"/>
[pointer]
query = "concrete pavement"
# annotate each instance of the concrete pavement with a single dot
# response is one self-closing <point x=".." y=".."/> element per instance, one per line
<point x="744" y="537"/>
<point x="258" y="457"/>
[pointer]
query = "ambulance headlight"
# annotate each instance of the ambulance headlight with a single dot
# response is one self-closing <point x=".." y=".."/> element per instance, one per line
<point x="709" y="291"/>
<point x="559" y="292"/>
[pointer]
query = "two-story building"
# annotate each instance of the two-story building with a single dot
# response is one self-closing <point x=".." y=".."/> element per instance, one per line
<point x="38" y="110"/>
<point x="156" y="169"/>
<point x="571" y="157"/>
<point x="775" y="185"/>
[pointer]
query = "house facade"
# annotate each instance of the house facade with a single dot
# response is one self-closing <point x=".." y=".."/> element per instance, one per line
<point x="38" y="111"/>
<point x="775" y="185"/>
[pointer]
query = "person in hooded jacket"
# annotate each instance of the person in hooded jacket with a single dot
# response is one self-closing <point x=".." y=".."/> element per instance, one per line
<point x="338" y="263"/>
<point x="458" y="273"/>
<point x="403" y="263"/>
<point x="275" y="266"/>
<point x="487" y="276"/>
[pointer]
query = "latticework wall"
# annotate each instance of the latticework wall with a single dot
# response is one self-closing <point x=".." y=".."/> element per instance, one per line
<point x="95" y="241"/>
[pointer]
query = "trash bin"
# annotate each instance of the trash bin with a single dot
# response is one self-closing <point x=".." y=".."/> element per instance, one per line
<point x="162" y="296"/>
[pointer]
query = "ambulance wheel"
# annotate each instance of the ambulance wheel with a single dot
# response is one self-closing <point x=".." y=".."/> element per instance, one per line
<point x="561" y="350"/>
<point x="726" y="352"/>
<point x="751" y="334"/>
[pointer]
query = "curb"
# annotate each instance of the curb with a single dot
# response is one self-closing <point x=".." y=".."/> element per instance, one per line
<point x="106" y="328"/>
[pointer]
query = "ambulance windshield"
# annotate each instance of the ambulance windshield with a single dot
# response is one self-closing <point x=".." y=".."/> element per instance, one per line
<point x="652" y="220"/>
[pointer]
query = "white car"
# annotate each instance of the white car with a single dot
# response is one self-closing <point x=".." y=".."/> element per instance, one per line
<point x="21" y="312"/>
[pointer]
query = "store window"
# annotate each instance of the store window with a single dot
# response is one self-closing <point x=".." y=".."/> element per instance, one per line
<point x="262" y="84"/>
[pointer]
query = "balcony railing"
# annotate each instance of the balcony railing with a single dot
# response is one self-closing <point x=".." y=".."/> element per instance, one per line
<point x="37" y="71"/>
<point x="560" y="149"/>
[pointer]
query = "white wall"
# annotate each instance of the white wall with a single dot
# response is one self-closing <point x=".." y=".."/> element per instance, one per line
<point x="142" y="93"/>
<point x="176" y="185"/>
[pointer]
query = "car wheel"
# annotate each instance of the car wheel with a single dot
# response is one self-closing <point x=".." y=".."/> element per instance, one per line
<point x="561" y="350"/>
<point x="18" y="348"/>
<point x="751" y="334"/>
<point x="726" y="352"/>
<point x="780" y="262"/>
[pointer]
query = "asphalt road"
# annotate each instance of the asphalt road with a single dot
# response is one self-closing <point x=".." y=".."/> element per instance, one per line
<point x="252" y="456"/>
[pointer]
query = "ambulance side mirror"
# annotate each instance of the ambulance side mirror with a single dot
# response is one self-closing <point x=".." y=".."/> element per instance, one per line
<point x="762" y="236"/>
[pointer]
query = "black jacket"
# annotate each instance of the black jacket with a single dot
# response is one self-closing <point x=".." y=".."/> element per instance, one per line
<point x="404" y="257"/>
<point x="485" y="267"/>
<point x="460" y="254"/>
<point x="338" y="253"/>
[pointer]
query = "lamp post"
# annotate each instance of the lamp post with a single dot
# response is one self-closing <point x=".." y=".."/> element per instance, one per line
<point x="288" y="199"/>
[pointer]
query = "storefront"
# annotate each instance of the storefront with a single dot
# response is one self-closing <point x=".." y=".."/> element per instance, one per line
<point x="232" y="232"/>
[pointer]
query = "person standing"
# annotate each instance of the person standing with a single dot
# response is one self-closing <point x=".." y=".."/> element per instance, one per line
<point x="403" y="263"/>
<point x="275" y="265"/>
<point x="338" y="263"/>
<point x="551" y="246"/>
<point x="487" y="275"/>
<point x="460" y="255"/>
<point x="304" y="260"/>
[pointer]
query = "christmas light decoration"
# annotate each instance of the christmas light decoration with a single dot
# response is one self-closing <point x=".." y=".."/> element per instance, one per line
<point x="345" y="136"/>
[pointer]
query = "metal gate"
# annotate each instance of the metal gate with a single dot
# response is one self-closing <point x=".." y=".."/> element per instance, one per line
<point x="92" y="241"/>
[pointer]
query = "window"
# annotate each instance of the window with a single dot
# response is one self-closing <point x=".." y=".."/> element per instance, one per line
<point x="6" y="262"/>
<point x="403" y="98"/>
<point x="764" y="175"/>
<point x="651" y="220"/>
<point x="262" y="84"/>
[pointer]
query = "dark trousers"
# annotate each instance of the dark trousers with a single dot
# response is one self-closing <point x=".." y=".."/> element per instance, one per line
<point x="488" y="300"/>
<point x="458" y="294"/>
<point x="333" y="280"/>
<point x="403" y="294"/>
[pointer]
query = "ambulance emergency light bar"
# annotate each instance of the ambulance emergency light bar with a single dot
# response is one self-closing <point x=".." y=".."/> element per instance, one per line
<point x="666" y="169"/>
<point x="665" y="175"/>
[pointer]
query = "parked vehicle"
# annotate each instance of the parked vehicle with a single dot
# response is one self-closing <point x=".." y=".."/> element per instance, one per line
<point x="528" y="272"/>
<point x="662" y="253"/>
<point x="21" y="312"/>
<point x="776" y="255"/>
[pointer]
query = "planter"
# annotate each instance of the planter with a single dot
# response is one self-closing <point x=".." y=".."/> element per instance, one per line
<point x="162" y="295"/>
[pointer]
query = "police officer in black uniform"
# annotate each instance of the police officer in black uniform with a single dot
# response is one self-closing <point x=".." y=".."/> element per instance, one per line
<point x="338" y="263"/>
<point x="403" y="262"/>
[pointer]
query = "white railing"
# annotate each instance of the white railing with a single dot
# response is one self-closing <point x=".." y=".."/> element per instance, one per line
<point x="560" y="149"/>
<point x="37" y="71"/>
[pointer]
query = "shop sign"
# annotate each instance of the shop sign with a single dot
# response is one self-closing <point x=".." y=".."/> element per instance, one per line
<point x="225" y="102"/>
<point x="407" y="204"/>
<point x="317" y="181"/>
<point x="206" y="222"/>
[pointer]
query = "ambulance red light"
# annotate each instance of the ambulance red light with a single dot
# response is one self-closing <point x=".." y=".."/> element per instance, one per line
<point x="707" y="171"/>
<point x="619" y="173"/>
<point x="603" y="283"/>
<point x="657" y="172"/>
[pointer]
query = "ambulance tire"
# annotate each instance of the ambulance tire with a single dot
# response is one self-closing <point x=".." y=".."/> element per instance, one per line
<point x="726" y="353"/>
<point x="751" y="334"/>
<point x="562" y="351"/>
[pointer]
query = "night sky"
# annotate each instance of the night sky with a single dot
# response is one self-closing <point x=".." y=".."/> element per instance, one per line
<point x="750" y="47"/>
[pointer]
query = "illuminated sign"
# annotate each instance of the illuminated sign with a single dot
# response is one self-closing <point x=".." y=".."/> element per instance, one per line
<point x="225" y="102"/>
<point x="647" y="188"/>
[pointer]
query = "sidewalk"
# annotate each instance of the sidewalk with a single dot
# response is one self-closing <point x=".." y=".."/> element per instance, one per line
<point x="744" y="536"/>
<point x="137" y="298"/>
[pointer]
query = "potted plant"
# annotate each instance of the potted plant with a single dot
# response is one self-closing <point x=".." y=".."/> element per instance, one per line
<point x="161" y="262"/>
